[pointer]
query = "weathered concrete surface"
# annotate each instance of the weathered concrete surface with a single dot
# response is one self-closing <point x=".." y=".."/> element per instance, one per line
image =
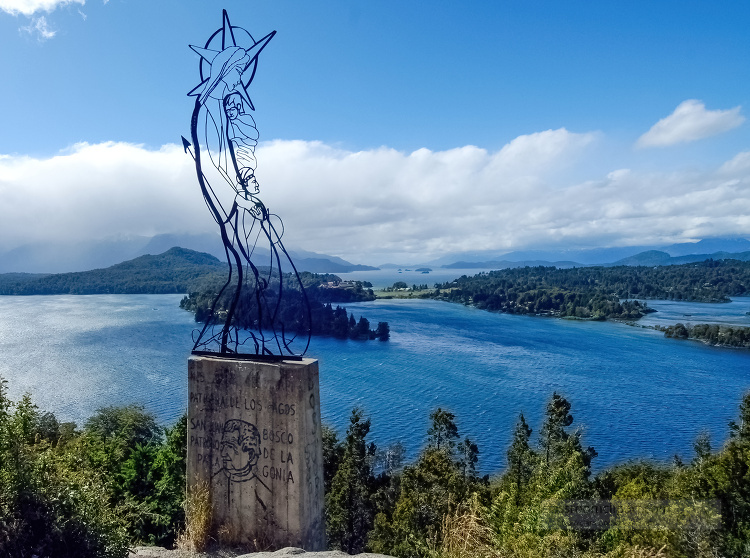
<point x="254" y="436"/>
<point x="158" y="552"/>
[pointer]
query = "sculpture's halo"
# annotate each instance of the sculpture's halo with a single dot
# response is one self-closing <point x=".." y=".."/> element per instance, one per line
<point x="228" y="36"/>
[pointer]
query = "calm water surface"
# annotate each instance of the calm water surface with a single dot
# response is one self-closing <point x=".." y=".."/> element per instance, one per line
<point x="736" y="313"/>
<point x="635" y="393"/>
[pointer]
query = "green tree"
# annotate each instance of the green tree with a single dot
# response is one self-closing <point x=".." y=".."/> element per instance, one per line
<point x="741" y="430"/>
<point x="352" y="327"/>
<point x="555" y="441"/>
<point x="152" y="486"/>
<point x="430" y="489"/>
<point x="521" y="457"/>
<point x="468" y="456"/>
<point x="442" y="480"/>
<point x="553" y="434"/>
<point x="443" y="432"/>
<point x="363" y="328"/>
<point x="383" y="332"/>
<point x="130" y="424"/>
<point x="349" y="510"/>
<point x="333" y="451"/>
<point x="51" y="503"/>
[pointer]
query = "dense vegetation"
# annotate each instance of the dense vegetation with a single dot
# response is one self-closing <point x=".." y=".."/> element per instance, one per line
<point x="545" y="503"/>
<point x="597" y="292"/>
<point x="120" y="479"/>
<point x="713" y="334"/>
<point x="89" y="492"/>
<point x="177" y="270"/>
<point x="402" y="286"/>
<point x="321" y="291"/>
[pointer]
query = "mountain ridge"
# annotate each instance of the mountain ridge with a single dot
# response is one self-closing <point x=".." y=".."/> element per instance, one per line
<point x="85" y="256"/>
<point x="176" y="271"/>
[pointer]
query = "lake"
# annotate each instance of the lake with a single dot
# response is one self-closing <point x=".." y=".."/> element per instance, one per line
<point x="386" y="277"/>
<point x="634" y="393"/>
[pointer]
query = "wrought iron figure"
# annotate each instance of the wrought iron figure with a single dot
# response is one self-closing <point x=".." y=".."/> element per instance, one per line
<point x="224" y="137"/>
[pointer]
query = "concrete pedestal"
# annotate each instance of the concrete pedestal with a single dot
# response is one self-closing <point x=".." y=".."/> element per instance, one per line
<point x="254" y="435"/>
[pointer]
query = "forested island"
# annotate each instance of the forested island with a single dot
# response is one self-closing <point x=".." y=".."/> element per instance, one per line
<point x="711" y="334"/>
<point x="119" y="479"/>
<point x="596" y="292"/>
<point x="321" y="291"/>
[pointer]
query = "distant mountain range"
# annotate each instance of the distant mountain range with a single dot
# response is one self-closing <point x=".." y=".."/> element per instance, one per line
<point x="657" y="257"/>
<point x="715" y="248"/>
<point x="96" y="254"/>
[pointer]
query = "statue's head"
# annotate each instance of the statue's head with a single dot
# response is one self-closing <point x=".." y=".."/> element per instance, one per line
<point x="234" y="106"/>
<point x="227" y="68"/>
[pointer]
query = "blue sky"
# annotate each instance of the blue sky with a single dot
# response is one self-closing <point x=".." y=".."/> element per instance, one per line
<point x="391" y="129"/>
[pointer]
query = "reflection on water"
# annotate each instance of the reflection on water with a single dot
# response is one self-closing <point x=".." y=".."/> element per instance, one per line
<point x="634" y="392"/>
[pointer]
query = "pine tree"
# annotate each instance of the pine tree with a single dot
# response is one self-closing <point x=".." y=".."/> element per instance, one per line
<point x="383" y="332"/>
<point x="520" y="456"/>
<point x="556" y="442"/>
<point x="443" y="431"/>
<point x="553" y="434"/>
<point x="741" y="430"/>
<point x="363" y="328"/>
<point x="468" y="456"/>
<point x="349" y="509"/>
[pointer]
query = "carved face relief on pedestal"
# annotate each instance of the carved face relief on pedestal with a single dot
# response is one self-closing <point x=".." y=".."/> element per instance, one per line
<point x="240" y="450"/>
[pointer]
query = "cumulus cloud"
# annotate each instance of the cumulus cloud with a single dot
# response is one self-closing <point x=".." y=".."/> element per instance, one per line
<point x="380" y="205"/>
<point x="31" y="7"/>
<point x="690" y="121"/>
<point x="93" y="191"/>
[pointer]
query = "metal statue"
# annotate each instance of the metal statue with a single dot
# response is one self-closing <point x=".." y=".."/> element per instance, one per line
<point x="254" y="319"/>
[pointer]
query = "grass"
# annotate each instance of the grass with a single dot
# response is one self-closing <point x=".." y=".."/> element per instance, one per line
<point x="196" y="536"/>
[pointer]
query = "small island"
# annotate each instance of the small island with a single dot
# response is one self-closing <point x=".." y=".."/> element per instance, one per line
<point x="710" y="334"/>
<point x="322" y="290"/>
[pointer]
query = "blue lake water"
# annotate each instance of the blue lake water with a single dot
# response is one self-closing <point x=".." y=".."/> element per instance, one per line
<point x="736" y="313"/>
<point x="386" y="277"/>
<point x="635" y="393"/>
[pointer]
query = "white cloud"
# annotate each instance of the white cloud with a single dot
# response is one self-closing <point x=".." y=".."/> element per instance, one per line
<point x="30" y="7"/>
<point x="690" y="121"/>
<point x="739" y="163"/>
<point x="97" y="190"/>
<point x="380" y="205"/>
<point x="40" y="27"/>
<point x="618" y="174"/>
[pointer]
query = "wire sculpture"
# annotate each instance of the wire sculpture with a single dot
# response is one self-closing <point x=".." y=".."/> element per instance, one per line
<point x="254" y="320"/>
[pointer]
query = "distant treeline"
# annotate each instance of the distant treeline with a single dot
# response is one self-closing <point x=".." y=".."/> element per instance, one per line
<point x="597" y="292"/>
<point x="325" y="319"/>
<point x="713" y="334"/>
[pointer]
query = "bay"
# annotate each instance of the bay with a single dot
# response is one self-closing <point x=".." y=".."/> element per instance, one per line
<point x="634" y="393"/>
<point x="668" y="312"/>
